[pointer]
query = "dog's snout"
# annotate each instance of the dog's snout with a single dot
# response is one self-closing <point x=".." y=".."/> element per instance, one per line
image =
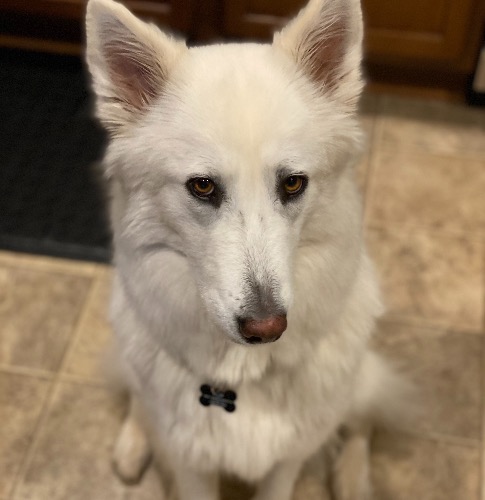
<point x="261" y="331"/>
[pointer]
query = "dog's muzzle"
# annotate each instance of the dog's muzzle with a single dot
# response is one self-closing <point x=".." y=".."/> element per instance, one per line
<point x="262" y="331"/>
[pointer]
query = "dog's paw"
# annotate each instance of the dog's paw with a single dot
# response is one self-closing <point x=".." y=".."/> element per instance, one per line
<point x="351" y="475"/>
<point x="130" y="471"/>
<point x="132" y="454"/>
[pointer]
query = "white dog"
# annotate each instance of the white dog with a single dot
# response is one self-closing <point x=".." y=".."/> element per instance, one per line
<point x="236" y="222"/>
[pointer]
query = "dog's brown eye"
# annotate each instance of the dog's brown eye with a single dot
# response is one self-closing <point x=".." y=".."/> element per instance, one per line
<point x="206" y="190"/>
<point x="294" y="184"/>
<point x="202" y="187"/>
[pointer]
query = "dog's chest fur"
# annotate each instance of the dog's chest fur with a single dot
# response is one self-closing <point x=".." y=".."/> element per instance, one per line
<point x="281" y="415"/>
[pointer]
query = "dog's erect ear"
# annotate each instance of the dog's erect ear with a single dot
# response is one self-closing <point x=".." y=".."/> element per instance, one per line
<point x="325" y="40"/>
<point x="129" y="61"/>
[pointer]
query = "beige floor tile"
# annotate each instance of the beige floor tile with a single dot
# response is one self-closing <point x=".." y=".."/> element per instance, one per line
<point x="93" y="333"/>
<point x="38" y="311"/>
<point x="21" y="402"/>
<point x="445" y="368"/>
<point x="431" y="126"/>
<point x="72" y="459"/>
<point x="408" y="468"/>
<point x="310" y="488"/>
<point x="430" y="279"/>
<point x="440" y="193"/>
<point x="49" y="264"/>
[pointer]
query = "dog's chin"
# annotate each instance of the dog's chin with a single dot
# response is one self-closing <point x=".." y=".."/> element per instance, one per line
<point x="233" y="335"/>
<point x="243" y="342"/>
<point x="237" y="338"/>
<point x="226" y="329"/>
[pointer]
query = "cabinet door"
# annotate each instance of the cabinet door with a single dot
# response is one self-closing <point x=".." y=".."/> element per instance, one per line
<point x="58" y="25"/>
<point x="159" y="9"/>
<point x="445" y="33"/>
<point x="426" y="30"/>
<point x="258" y="19"/>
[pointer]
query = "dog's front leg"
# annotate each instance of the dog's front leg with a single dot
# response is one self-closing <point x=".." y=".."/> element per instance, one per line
<point x="195" y="485"/>
<point x="132" y="452"/>
<point x="280" y="482"/>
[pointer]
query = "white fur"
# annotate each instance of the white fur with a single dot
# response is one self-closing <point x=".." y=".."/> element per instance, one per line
<point x="237" y="113"/>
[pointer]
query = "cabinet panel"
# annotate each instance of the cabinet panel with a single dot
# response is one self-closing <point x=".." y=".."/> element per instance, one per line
<point x="280" y="8"/>
<point x="432" y="30"/>
<point x="58" y="25"/>
<point x="444" y="33"/>
<point x="76" y="8"/>
<point x="403" y="16"/>
<point x="413" y="34"/>
<point x="258" y="19"/>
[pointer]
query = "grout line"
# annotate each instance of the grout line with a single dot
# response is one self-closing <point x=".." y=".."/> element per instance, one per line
<point x="27" y="372"/>
<point x="44" y="414"/>
<point x="404" y="227"/>
<point x="30" y="452"/>
<point x="439" y="437"/>
<point x="483" y="294"/>
<point x="96" y="283"/>
<point x="428" y="324"/>
<point x="410" y="149"/>
<point x="56" y="381"/>
<point x="482" y="384"/>
<point x="81" y="380"/>
<point x="52" y="272"/>
<point x="419" y="323"/>
<point x="53" y="265"/>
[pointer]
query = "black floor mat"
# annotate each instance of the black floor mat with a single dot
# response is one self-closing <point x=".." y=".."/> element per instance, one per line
<point x="51" y="200"/>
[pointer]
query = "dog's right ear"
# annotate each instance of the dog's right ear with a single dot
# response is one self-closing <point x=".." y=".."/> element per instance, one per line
<point x="129" y="61"/>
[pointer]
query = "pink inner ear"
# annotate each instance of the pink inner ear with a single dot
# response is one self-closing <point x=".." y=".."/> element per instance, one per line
<point x="132" y="66"/>
<point x="324" y="52"/>
<point x="132" y="77"/>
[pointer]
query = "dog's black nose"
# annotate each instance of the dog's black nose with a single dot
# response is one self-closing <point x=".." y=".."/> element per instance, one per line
<point x="261" y="331"/>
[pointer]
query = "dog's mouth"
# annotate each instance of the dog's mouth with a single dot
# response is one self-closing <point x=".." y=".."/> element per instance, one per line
<point x="262" y="331"/>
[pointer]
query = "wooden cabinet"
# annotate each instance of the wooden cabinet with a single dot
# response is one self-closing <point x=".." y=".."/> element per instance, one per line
<point x="57" y="25"/>
<point x="428" y="44"/>
<point x="443" y="33"/>
<point x="258" y="18"/>
<point x="434" y="40"/>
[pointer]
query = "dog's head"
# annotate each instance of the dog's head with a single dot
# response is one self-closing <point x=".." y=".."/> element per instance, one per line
<point x="227" y="153"/>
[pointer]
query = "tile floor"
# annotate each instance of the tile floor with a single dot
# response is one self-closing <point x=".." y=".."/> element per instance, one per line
<point x="423" y="179"/>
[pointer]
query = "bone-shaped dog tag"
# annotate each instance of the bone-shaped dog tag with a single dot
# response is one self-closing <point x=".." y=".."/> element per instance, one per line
<point x="211" y="396"/>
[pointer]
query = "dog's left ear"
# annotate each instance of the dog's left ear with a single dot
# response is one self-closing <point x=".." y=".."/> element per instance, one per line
<point x="325" y="41"/>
